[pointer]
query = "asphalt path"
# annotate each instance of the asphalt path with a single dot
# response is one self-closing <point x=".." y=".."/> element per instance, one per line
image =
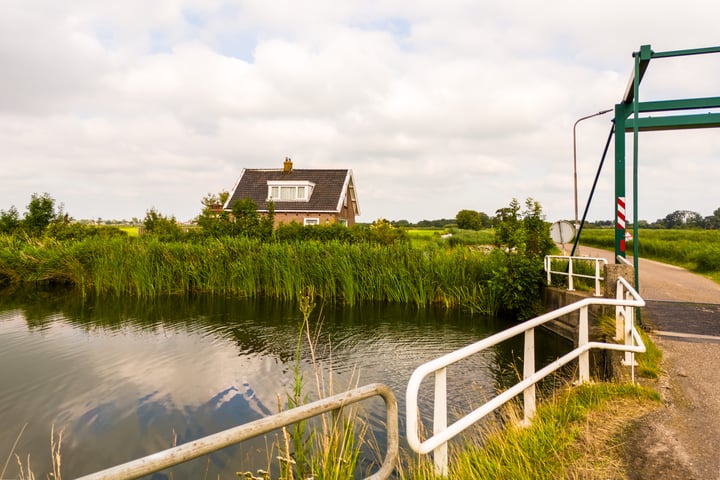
<point x="683" y="317"/>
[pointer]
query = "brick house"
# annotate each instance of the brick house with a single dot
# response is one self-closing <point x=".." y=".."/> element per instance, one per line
<point x="307" y="196"/>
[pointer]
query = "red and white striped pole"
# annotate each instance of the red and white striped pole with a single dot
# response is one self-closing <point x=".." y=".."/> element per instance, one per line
<point x="621" y="220"/>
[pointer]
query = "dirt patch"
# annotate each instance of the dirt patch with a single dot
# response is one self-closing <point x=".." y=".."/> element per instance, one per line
<point x="652" y="451"/>
<point x="680" y="440"/>
<point x="602" y="441"/>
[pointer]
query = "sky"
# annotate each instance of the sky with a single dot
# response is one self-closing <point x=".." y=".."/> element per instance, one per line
<point x="114" y="108"/>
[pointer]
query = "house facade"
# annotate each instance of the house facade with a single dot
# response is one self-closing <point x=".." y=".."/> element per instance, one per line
<point x="306" y="196"/>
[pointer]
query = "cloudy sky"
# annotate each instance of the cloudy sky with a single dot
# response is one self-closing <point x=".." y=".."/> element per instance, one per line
<point x="117" y="107"/>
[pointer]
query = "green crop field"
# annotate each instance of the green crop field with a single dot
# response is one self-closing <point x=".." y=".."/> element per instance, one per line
<point x="696" y="250"/>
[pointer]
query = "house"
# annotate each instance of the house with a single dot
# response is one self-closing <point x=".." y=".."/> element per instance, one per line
<point x="307" y="196"/>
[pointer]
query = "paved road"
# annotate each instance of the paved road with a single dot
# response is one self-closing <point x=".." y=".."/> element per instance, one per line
<point x="683" y="311"/>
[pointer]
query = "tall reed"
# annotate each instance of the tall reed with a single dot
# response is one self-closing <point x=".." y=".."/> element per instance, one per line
<point x="337" y="272"/>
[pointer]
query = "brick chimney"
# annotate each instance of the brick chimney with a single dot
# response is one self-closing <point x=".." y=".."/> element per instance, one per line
<point x="287" y="165"/>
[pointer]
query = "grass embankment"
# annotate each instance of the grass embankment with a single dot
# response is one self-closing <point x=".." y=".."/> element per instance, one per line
<point x="577" y="433"/>
<point x="336" y="272"/>
<point x="696" y="250"/>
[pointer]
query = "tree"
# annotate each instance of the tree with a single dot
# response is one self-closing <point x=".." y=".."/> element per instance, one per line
<point x="524" y="231"/>
<point x="713" y="221"/>
<point x="215" y="200"/>
<point x="9" y="221"/>
<point x="213" y="220"/>
<point x="267" y="223"/>
<point x="40" y="212"/>
<point x="682" y="219"/>
<point x="247" y="220"/>
<point x="165" y="228"/>
<point x="507" y="225"/>
<point x="469" y="220"/>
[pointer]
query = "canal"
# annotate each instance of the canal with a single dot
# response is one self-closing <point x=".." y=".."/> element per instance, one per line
<point x="123" y="378"/>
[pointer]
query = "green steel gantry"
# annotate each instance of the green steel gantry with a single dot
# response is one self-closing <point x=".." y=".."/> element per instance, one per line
<point x="628" y="119"/>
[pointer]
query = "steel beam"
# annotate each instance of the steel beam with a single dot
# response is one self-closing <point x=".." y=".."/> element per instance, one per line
<point x="674" y="122"/>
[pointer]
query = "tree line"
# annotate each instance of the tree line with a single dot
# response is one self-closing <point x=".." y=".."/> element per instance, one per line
<point x="679" y="219"/>
<point x="44" y="217"/>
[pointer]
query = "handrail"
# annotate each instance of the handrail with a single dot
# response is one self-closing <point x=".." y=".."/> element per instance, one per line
<point x="570" y="274"/>
<point x="205" y="445"/>
<point x="624" y="260"/>
<point x="627" y="299"/>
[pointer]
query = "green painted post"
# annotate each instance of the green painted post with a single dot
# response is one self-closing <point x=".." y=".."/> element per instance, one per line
<point x="620" y="118"/>
<point x="644" y="54"/>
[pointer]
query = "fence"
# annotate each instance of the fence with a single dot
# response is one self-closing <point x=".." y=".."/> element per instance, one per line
<point x="597" y="277"/>
<point x="211" y="443"/>
<point x="627" y="299"/>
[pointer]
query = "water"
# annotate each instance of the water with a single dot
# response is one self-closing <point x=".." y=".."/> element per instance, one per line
<point x="125" y="378"/>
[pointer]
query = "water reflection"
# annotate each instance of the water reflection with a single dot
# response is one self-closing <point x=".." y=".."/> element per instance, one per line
<point x="127" y="377"/>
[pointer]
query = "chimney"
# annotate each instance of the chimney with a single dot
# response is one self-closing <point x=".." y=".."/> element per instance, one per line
<point x="287" y="165"/>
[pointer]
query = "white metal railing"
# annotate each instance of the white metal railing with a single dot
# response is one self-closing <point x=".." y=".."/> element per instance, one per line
<point x="211" y="443"/>
<point x="597" y="277"/>
<point x="625" y="303"/>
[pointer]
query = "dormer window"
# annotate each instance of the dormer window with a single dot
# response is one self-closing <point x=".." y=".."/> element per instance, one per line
<point x="284" y="191"/>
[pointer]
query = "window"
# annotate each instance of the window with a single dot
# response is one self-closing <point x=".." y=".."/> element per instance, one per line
<point x="311" y="221"/>
<point x="280" y="191"/>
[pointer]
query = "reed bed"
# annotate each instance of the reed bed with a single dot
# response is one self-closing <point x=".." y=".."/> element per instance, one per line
<point x="337" y="272"/>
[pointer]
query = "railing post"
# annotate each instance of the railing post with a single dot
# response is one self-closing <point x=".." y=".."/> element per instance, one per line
<point x="629" y="324"/>
<point x="548" y="268"/>
<point x="440" y="421"/>
<point x="620" y="313"/>
<point x="583" y="338"/>
<point x="570" y="275"/>
<point x="597" y="278"/>
<point x="529" y="371"/>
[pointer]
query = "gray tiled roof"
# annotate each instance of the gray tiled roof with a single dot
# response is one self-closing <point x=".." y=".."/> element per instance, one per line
<point x="325" y="196"/>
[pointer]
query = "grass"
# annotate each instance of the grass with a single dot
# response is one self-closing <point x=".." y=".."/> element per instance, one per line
<point x="580" y="267"/>
<point x="450" y="236"/>
<point x="330" y="448"/>
<point x="338" y="273"/>
<point x="576" y="435"/>
<point x="648" y="362"/>
<point x="131" y="230"/>
<point x="25" y="471"/>
<point x="696" y="250"/>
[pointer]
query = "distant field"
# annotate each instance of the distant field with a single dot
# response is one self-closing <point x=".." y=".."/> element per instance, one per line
<point x="419" y="236"/>
<point x="696" y="250"/>
<point x="131" y="230"/>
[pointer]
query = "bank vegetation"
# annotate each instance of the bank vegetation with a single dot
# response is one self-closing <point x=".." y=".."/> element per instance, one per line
<point x="244" y="256"/>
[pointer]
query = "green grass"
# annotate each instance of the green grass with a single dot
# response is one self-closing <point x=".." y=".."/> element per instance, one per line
<point x="696" y="250"/>
<point x="339" y="273"/>
<point x="130" y="230"/>
<point x="648" y="362"/>
<point x="453" y="236"/>
<point x="574" y="435"/>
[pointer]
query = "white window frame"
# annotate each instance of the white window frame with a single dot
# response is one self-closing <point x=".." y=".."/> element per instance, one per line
<point x="311" y="221"/>
<point x="299" y="191"/>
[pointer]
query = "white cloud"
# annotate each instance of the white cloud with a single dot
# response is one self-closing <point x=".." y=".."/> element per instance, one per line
<point x="114" y="108"/>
